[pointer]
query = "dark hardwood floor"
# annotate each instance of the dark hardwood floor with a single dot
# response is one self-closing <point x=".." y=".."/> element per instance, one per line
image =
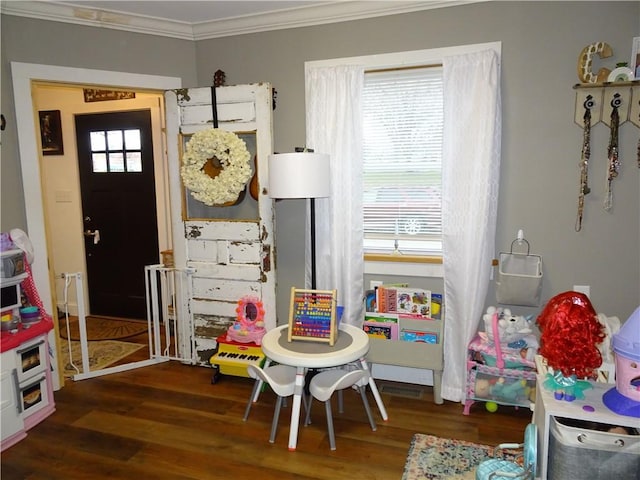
<point x="168" y="421"/>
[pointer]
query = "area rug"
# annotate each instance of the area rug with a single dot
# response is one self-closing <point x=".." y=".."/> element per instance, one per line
<point x="101" y="354"/>
<point x="104" y="328"/>
<point x="435" y="458"/>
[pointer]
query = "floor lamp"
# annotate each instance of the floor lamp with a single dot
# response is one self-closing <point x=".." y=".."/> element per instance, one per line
<point x="301" y="175"/>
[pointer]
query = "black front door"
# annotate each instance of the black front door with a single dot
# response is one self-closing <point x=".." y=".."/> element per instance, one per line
<point x="115" y="156"/>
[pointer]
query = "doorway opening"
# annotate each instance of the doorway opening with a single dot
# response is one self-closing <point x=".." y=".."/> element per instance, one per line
<point x="37" y="196"/>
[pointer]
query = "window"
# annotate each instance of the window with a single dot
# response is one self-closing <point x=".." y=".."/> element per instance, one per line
<point x="116" y="151"/>
<point x="419" y="237"/>
<point x="402" y="167"/>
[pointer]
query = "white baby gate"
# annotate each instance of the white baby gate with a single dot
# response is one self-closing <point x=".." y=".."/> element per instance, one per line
<point x="169" y="325"/>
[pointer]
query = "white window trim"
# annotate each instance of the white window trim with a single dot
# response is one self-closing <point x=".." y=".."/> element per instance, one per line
<point x="405" y="59"/>
<point x="407" y="269"/>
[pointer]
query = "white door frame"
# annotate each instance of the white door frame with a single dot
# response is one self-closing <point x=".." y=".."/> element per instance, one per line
<point x="23" y="74"/>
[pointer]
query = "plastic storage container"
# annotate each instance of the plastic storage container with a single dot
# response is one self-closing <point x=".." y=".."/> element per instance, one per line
<point x="30" y="315"/>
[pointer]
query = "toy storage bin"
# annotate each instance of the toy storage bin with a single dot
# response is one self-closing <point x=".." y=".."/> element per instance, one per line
<point x="503" y="386"/>
<point x="577" y="452"/>
<point x="481" y="365"/>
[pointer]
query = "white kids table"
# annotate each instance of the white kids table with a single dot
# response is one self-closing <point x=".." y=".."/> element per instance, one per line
<point x="352" y="345"/>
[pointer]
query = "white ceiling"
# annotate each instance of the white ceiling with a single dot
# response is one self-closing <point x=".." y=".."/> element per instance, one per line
<point x="198" y="20"/>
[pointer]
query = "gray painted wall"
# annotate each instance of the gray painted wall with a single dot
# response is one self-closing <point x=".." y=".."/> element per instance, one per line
<point x="541" y="144"/>
<point x="61" y="44"/>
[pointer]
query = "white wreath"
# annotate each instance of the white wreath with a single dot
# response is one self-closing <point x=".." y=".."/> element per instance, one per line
<point x="233" y="156"/>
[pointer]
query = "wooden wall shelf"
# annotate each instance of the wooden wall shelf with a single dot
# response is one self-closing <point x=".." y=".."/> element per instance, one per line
<point x="632" y="83"/>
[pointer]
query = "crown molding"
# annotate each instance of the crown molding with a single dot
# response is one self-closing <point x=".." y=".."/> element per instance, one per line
<point x="319" y="14"/>
<point x="334" y="12"/>
<point x="94" y="17"/>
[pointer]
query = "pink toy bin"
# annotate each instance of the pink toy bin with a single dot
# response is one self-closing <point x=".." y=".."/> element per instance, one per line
<point x="624" y="399"/>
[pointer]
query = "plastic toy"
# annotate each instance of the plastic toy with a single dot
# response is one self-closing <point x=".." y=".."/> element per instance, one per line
<point x="491" y="407"/>
<point x="531" y="393"/>
<point x="624" y="399"/>
<point x="569" y="342"/>
<point x="249" y="326"/>
<point x="509" y="392"/>
<point x="482" y="388"/>
<point x="506" y="390"/>
<point x="525" y="466"/>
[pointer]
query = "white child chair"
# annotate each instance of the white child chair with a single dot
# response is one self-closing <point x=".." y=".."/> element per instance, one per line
<point x="326" y="382"/>
<point x="281" y="379"/>
<point x="499" y="469"/>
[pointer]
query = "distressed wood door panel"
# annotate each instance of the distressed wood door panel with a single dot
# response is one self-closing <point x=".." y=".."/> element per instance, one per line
<point x="229" y="253"/>
<point x="224" y="252"/>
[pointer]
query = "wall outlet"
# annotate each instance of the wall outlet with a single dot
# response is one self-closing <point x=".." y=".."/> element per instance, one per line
<point x="374" y="283"/>
<point x="586" y="289"/>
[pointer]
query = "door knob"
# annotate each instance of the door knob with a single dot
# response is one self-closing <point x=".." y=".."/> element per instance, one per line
<point x="95" y="234"/>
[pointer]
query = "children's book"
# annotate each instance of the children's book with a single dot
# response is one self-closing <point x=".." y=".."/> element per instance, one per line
<point x="370" y="301"/>
<point x="381" y="317"/>
<point x="414" y="301"/>
<point x="383" y="331"/>
<point x="381" y="325"/>
<point x="418" y="336"/>
<point x="386" y="297"/>
<point x="436" y="306"/>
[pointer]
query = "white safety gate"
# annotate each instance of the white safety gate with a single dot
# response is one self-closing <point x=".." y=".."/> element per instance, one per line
<point x="167" y="336"/>
<point x="82" y="365"/>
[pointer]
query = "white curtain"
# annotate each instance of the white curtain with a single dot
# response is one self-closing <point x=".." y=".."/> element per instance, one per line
<point x="470" y="177"/>
<point x="334" y="126"/>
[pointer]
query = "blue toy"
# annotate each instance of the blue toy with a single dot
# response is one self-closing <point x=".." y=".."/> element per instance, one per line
<point x="566" y="388"/>
<point x="509" y="392"/>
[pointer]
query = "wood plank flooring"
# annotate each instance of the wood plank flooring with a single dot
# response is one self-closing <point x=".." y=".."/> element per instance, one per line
<point x="168" y="421"/>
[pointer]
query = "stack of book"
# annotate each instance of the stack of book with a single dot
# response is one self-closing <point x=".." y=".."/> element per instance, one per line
<point x="392" y="312"/>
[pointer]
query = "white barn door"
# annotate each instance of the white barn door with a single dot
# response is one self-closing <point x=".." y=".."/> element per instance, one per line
<point x="229" y="250"/>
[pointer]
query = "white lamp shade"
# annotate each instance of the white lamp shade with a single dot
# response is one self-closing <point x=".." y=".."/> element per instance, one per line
<point x="299" y="175"/>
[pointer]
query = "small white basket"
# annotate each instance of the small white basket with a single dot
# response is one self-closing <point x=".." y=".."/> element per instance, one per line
<point x="519" y="279"/>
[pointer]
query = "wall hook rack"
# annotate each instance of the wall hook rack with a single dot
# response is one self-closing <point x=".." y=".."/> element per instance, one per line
<point x="600" y="97"/>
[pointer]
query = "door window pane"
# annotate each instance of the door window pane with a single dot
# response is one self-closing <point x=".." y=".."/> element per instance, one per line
<point x="132" y="139"/>
<point x="98" y="142"/>
<point x="134" y="162"/>
<point x="99" y="161"/>
<point x="116" y="162"/>
<point x="114" y="139"/>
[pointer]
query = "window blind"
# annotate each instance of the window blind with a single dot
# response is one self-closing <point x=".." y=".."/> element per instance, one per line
<point x="403" y="122"/>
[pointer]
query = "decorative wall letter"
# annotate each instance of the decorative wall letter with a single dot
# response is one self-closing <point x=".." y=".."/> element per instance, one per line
<point x="585" y="62"/>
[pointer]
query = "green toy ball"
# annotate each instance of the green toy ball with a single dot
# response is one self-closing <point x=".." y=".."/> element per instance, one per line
<point x="491" y="407"/>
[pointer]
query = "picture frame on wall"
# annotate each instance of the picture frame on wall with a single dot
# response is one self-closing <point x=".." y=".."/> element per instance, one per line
<point x="635" y="58"/>
<point x="51" y="132"/>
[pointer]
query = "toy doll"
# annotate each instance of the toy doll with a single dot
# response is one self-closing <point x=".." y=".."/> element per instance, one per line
<point x="569" y="342"/>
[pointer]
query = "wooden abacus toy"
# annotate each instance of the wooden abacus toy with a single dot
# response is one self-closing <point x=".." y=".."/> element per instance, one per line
<point x="312" y="316"/>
